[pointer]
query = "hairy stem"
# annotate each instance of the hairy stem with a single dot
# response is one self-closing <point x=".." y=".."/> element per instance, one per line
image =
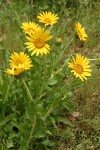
<point x="8" y="89"/>
<point x="28" y="91"/>
<point x="31" y="132"/>
<point x="61" y="53"/>
<point x="48" y="113"/>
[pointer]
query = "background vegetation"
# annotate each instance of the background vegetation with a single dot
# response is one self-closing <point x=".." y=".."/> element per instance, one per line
<point x="74" y="123"/>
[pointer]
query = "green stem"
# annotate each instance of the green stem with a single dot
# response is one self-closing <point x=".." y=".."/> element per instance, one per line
<point x="61" y="53"/>
<point x="28" y="91"/>
<point x="41" y="96"/>
<point x="44" y="79"/>
<point x="6" y="97"/>
<point x="65" y="63"/>
<point x="48" y="113"/>
<point x="8" y="89"/>
<point x="54" y="104"/>
<point x="50" y="28"/>
<point x="31" y="132"/>
<point x="45" y="66"/>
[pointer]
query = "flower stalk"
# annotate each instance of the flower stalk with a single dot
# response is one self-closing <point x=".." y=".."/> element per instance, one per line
<point x="48" y="113"/>
<point x="31" y="132"/>
<point x="8" y="89"/>
<point x="61" y="53"/>
<point x="28" y="91"/>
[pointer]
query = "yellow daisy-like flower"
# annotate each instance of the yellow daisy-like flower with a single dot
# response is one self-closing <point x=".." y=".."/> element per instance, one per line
<point x="28" y="27"/>
<point x="19" y="63"/>
<point x="48" y="18"/>
<point x="37" y="42"/>
<point x="80" y="67"/>
<point x="81" y="32"/>
<point x="60" y="40"/>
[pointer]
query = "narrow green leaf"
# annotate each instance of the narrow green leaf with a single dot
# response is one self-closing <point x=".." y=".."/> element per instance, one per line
<point x="65" y="121"/>
<point x="77" y="83"/>
<point x="8" y="118"/>
<point x="52" y="81"/>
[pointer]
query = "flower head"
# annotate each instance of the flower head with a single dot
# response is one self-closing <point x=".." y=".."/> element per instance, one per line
<point x="59" y="41"/>
<point x="28" y="27"/>
<point x="81" y="32"/>
<point x="37" y="42"/>
<point x="48" y="18"/>
<point x="19" y="63"/>
<point x="80" y="67"/>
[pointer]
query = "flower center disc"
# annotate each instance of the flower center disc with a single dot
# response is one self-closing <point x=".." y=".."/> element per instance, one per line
<point x="18" y="61"/>
<point x="78" y="68"/>
<point x="47" y="20"/>
<point x="29" y="29"/>
<point x="39" y="43"/>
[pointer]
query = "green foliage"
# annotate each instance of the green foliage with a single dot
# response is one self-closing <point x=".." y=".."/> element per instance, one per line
<point x="37" y="109"/>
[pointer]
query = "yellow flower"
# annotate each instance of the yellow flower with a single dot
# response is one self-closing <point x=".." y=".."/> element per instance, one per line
<point x="80" y="67"/>
<point x="59" y="40"/>
<point x="48" y="18"/>
<point x="29" y="26"/>
<point x="81" y="32"/>
<point x="19" y="63"/>
<point x="37" y="42"/>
